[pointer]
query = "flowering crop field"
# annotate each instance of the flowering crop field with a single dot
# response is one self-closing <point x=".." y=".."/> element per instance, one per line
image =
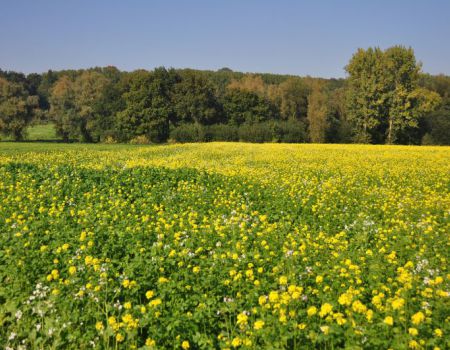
<point x="224" y="245"/>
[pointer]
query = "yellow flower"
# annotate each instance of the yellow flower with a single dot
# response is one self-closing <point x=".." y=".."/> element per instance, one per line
<point x="236" y="342"/>
<point x="258" y="324"/>
<point x="389" y="320"/>
<point x="283" y="280"/>
<point x="150" y="342"/>
<point x="72" y="270"/>
<point x="311" y="311"/>
<point x="242" y="319"/>
<point x="185" y="345"/>
<point x="127" y="305"/>
<point x="196" y="269"/>
<point x="345" y="299"/>
<point x="413" y="344"/>
<point x="369" y="315"/>
<point x="325" y="329"/>
<point x="119" y="338"/>
<point x="155" y="302"/>
<point x="99" y="326"/>
<point x="149" y="294"/>
<point x="417" y="318"/>
<point x="163" y="280"/>
<point x="262" y="300"/>
<point x="273" y="296"/>
<point x="319" y="279"/>
<point x="126" y="283"/>
<point x="398" y="303"/>
<point x="325" y="309"/>
<point x="413" y="331"/>
<point x="438" y="333"/>
<point x="359" y="307"/>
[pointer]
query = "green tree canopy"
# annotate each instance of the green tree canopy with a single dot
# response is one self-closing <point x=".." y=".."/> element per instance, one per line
<point x="17" y="108"/>
<point x="383" y="96"/>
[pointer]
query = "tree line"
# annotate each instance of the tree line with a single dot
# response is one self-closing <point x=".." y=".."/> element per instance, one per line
<point x="385" y="99"/>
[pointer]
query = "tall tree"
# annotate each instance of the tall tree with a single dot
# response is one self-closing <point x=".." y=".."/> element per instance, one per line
<point x="242" y="106"/>
<point x="291" y="98"/>
<point x="73" y="105"/>
<point x="250" y="83"/>
<point x="62" y="108"/>
<point x="148" y="108"/>
<point x="16" y="108"/>
<point x="367" y="97"/>
<point x="408" y="102"/>
<point x="88" y="89"/>
<point x="318" y="114"/>
<point x="194" y="99"/>
<point x="384" y="98"/>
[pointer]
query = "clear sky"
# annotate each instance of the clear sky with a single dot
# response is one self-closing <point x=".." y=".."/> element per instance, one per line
<point x="314" y="38"/>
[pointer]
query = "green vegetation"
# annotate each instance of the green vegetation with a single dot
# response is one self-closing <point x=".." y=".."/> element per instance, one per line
<point x="224" y="246"/>
<point x="385" y="99"/>
<point x="41" y="132"/>
<point x="38" y="132"/>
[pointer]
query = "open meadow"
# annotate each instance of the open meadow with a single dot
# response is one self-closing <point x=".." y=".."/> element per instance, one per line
<point x="224" y="245"/>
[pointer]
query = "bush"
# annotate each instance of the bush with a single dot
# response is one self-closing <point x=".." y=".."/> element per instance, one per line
<point x="261" y="132"/>
<point x="140" y="140"/>
<point x="427" y="140"/>
<point x="273" y="131"/>
<point x="221" y="132"/>
<point x="186" y="133"/>
<point x="292" y="131"/>
<point x="109" y="140"/>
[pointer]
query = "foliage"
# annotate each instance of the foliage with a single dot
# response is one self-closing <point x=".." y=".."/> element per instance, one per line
<point x="148" y="107"/>
<point x="241" y="106"/>
<point x="194" y="100"/>
<point x="16" y="108"/>
<point x="385" y="99"/>
<point x="383" y="95"/>
<point x="318" y="114"/>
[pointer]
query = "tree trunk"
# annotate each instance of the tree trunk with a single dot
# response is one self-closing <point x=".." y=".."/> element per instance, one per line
<point x="18" y="135"/>
<point x="389" y="135"/>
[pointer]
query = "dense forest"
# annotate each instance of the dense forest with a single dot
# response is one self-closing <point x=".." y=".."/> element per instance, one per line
<point x="384" y="99"/>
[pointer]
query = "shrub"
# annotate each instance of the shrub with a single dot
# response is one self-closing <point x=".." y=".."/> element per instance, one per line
<point x="109" y="140"/>
<point x="427" y="139"/>
<point x="140" y="140"/>
<point x="186" y="133"/>
<point x="260" y="132"/>
<point x="221" y="132"/>
<point x="292" y="131"/>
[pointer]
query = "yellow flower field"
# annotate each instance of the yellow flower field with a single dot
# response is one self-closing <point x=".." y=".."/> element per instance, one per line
<point x="224" y="245"/>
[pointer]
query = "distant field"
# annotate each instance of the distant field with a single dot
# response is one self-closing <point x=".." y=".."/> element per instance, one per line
<point x="40" y="132"/>
<point x="223" y="245"/>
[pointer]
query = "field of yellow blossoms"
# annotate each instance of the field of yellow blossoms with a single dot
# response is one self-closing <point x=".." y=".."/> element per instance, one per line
<point x="224" y="245"/>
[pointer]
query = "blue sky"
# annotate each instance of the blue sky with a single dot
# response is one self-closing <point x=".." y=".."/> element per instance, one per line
<point x="314" y="38"/>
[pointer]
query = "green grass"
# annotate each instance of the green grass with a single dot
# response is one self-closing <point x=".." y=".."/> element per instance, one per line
<point x="39" y="132"/>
